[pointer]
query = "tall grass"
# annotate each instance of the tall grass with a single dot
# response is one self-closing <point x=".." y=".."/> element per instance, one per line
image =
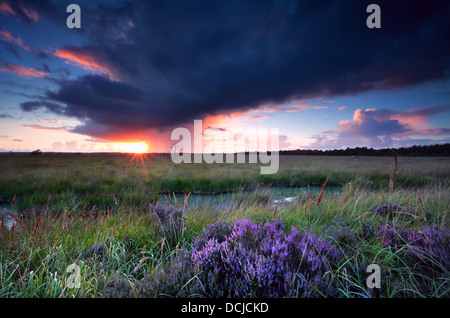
<point x="95" y="213"/>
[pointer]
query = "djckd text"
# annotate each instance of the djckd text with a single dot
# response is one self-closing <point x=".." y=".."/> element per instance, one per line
<point x="213" y="144"/>
<point x="243" y="308"/>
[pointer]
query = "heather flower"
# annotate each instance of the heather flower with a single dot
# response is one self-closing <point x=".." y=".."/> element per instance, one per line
<point x="256" y="260"/>
<point x="391" y="208"/>
<point x="429" y="242"/>
<point x="118" y="288"/>
<point x="346" y="238"/>
<point x="423" y="248"/>
<point x="218" y="231"/>
<point x="95" y="250"/>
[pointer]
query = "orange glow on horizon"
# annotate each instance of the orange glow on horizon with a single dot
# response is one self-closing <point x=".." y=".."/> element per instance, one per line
<point x="133" y="147"/>
<point x="139" y="151"/>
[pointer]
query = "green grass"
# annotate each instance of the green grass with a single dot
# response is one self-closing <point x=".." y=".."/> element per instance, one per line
<point x="83" y="200"/>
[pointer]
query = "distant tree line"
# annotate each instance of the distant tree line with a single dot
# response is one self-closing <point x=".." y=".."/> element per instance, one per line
<point x="442" y="150"/>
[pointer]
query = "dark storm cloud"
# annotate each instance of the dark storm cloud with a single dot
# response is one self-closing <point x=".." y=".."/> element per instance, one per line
<point x="34" y="105"/>
<point x="175" y="61"/>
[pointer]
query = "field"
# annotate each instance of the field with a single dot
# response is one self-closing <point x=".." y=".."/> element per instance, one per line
<point x="121" y="225"/>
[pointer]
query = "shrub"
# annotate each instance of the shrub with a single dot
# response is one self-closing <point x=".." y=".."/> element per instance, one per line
<point x="170" y="220"/>
<point x="218" y="231"/>
<point x="262" y="261"/>
<point x="391" y="208"/>
<point x="423" y="248"/>
<point x="118" y="288"/>
<point x="95" y="250"/>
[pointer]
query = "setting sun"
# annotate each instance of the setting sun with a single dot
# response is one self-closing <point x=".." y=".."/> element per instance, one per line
<point x="135" y="147"/>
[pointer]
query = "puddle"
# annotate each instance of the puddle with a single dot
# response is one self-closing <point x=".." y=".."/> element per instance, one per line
<point x="271" y="195"/>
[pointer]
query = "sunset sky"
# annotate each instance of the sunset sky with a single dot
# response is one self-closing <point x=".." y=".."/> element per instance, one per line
<point x="136" y="70"/>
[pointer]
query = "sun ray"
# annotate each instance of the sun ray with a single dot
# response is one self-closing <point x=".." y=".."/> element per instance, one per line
<point x="138" y="150"/>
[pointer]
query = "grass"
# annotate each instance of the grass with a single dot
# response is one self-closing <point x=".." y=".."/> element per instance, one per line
<point x="69" y="203"/>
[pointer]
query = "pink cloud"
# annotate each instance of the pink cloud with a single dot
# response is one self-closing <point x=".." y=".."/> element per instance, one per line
<point x="86" y="58"/>
<point x="7" y="36"/>
<point x="21" y="70"/>
<point x="250" y="118"/>
<point x="306" y="107"/>
<point x="289" y="109"/>
<point x="31" y="14"/>
<point x="59" y="121"/>
<point x="6" y="9"/>
<point x="43" y="127"/>
<point x="382" y="128"/>
<point x="342" y="108"/>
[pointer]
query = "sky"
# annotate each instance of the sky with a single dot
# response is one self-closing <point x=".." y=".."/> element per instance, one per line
<point x="137" y="70"/>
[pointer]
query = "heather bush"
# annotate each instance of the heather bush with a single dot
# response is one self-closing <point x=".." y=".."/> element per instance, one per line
<point x="119" y="288"/>
<point x="346" y="238"/>
<point x="426" y="248"/>
<point x="391" y="209"/>
<point x="170" y="220"/>
<point x="218" y="231"/>
<point x="263" y="261"/>
<point x="96" y="250"/>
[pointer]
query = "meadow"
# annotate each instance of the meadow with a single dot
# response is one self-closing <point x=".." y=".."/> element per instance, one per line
<point x="120" y="220"/>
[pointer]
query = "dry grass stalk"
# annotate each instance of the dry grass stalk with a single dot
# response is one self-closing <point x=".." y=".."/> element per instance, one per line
<point x="391" y="180"/>
<point x="188" y="225"/>
<point x="17" y="219"/>
<point x="393" y="173"/>
<point x="115" y="200"/>
<point x="82" y="211"/>
<point x="64" y="220"/>
<point x="37" y="226"/>
<point x="2" y="228"/>
<point x="186" y="197"/>
<point x="420" y="201"/>
<point x="318" y="199"/>
<point x="407" y="205"/>
<point x="11" y="235"/>
<point x="362" y="215"/>
<point x="17" y="271"/>
<point x="140" y="263"/>
<point x="345" y="200"/>
<point x="91" y="214"/>
<point x="175" y="199"/>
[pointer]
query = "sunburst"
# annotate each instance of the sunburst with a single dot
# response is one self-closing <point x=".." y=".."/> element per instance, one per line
<point x="139" y="153"/>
